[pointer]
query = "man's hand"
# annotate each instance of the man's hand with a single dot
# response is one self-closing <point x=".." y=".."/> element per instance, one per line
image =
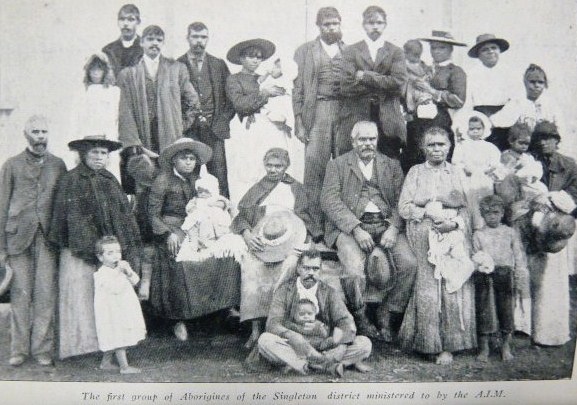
<point x="300" y="131"/>
<point x="253" y="241"/>
<point x="149" y="153"/>
<point x="364" y="239"/>
<point x="359" y="75"/>
<point x="326" y="344"/>
<point x="273" y="91"/>
<point x="389" y="238"/>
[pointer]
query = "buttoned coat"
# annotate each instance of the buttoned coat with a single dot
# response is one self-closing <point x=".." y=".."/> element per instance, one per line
<point x="26" y="204"/>
<point x="177" y="101"/>
<point x="223" y="109"/>
<point x="383" y="81"/>
<point x="304" y="95"/>
<point x="342" y="189"/>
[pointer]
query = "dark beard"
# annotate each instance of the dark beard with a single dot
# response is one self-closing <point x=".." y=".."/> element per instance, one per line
<point x="331" y="37"/>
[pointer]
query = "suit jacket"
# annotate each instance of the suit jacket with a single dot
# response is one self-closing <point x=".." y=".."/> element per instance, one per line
<point x="26" y="204"/>
<point x="383" y="81"/>
<point x="121" y="57"/>
<point x="332" y="310"/>
<point x="178" y="104"/>
<point x="304" y="95"/>
<point x="223" y="109"/>
<point x="342" y="188"/>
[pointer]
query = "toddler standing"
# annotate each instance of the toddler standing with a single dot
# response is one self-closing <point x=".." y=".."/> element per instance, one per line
<point x="117" y="312"/>
<point x="496" y="289"/>
<point x="417" y="70"/>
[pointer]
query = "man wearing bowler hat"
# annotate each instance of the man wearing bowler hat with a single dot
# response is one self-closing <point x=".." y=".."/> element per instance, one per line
<point x="27" y="185"/>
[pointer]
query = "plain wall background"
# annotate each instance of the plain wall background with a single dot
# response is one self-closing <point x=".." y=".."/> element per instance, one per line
<point x="45" y="43"/>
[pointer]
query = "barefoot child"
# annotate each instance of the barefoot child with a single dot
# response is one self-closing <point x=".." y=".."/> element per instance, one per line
<point x="496" y="290"/>
<point x="117" y="312"/>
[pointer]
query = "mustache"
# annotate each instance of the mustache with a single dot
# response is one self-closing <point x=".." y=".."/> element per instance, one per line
<point x="198" y="46"/>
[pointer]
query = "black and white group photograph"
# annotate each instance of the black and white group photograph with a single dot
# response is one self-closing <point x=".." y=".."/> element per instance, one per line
<point x="309" y="191"/>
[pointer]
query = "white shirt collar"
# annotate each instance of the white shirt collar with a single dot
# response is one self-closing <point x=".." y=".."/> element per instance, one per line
<point x="366" y="169"/>
<point x="331" y="50"/>
<point x="128" y="44"/>
<point x="374" y="45"/>
<point x="444" y="63"/>
<point x="308" y="293"/>
<point x="151" y="64"/>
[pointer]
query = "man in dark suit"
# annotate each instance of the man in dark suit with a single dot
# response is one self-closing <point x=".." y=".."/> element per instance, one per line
<point x="315" y="103"/>
<point x="27" y="185"/>
<point x="373" y="72"/>
<point x="359" y="198"/>
<point x="126" y="50"/>
<point x="208" y="76"/>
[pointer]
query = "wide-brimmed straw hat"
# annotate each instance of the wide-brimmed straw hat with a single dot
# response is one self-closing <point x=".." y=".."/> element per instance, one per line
<point x="483" y="39"/>
<point x="280" y="231"/>
<point x="92" y="141"/>
<point x="5" y="278"/>
<point x="203" y="152"/>
<point x="264" y="45"/>
<point x="444" y="37"/>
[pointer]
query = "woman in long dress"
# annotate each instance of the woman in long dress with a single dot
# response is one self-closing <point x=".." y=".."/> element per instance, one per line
<point x="550" y="271"/>
<point x="448" y="88"/>
<point x="437" y="322"/>
<point x="89" y="204"/>
<point x="253" y="132"/>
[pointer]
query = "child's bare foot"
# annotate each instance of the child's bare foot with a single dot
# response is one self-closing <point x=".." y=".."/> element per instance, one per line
<point x="506" y="354"/>
<point x="108" y="363"/>
<point x="130" y="370"/>
<point x="444" y="359"/>
<point x="483" y="356"/>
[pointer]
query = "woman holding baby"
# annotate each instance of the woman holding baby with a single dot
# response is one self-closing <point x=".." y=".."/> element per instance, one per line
<point x="439" y="320"/>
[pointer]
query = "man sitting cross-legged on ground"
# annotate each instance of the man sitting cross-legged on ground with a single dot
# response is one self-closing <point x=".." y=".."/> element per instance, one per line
<point x="283" y="346"/>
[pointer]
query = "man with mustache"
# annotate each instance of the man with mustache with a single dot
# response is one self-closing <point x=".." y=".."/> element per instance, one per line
<point x="359" y="198"/>
<point x="157" y="104"/>
<point x="208" y="76"/>
<point x="126" y="50"/>
<point x="27" y="185"/>
<point x="316" y="104"/>
<point x="278" y="343"/>
<point x="372" y="76"/>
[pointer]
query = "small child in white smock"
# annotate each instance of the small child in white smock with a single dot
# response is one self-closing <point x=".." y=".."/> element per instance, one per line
<point x="208" y="218"/>
<point x="117" y="312"/>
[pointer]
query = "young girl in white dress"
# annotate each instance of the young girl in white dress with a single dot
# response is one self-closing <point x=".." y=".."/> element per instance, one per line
<point x="117" y="312"/>
<point x="478" y="159"/>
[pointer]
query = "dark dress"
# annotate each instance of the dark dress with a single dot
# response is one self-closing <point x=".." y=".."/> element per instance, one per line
<point x="451" y="80"/>
<point x="185" y="290"/>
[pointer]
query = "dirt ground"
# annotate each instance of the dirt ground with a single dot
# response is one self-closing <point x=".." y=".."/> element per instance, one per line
<point x="214" y="354"/>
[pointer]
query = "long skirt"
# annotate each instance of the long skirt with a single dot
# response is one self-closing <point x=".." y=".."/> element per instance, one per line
<point x="258" y="281"/>
<point x="550" y="295"/>
<point x="77" y="328"/>
<point x="436" y="320"/>
<point x="187" y="290"/>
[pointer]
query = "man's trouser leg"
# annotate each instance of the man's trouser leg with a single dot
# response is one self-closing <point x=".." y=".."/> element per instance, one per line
<point x="403" y="276"/>
<point x="318" y="152"/>
<point x="359" y="350"/>
<point x="353" y="280"/>
<point x="277" y="350"/>
<point x="33" y="299"/>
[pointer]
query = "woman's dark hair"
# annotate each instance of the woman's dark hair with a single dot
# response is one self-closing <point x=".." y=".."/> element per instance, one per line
<point x="278" y="153"/>
<point x="434" y="131"/>
<point x="251" y="52"/>
<point x="108" y="78"/>
<point x="533" y="68"/>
